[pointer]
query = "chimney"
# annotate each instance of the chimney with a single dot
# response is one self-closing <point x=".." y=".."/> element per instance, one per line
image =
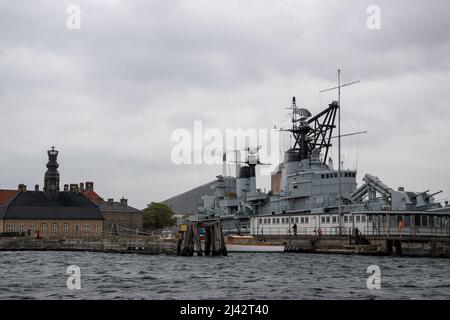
<point x="66" y="187"/>
<point x="22" y="187"/>
<point x="110" y="200"/>
<point x="74" y="187"/>
<point x="124" y="201"/>
<point x="36" y="187"/>
<point x="81" y="186"/>
<point x="89" y="186"/>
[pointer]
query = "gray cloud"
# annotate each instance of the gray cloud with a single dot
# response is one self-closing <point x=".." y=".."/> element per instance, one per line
<point x="110" y="95"/>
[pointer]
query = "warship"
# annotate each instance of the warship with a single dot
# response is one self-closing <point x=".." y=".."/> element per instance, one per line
<point x="309" y="196"/>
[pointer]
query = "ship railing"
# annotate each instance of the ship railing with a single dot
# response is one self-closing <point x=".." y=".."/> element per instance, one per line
<point x="410" y="231"/>
<point x="283" y="231"/>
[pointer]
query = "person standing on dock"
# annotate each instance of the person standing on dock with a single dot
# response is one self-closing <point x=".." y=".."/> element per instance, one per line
<point x="294" y="228"/>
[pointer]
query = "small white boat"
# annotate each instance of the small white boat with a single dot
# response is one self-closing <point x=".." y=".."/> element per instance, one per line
<point x="235" y="243"/>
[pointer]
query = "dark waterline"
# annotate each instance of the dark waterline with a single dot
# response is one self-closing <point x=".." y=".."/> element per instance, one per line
<point x="42" y="275"/>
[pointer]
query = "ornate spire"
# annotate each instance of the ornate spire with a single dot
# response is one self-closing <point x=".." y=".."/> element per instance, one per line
<point x="51" y="179"/>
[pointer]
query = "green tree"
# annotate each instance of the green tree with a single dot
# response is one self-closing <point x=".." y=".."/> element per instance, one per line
<point x="158" y="215"/>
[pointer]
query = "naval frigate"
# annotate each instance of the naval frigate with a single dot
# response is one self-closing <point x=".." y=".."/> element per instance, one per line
<point x="311" y="197"/>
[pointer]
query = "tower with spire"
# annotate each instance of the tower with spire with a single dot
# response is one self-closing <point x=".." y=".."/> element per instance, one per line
<point x="51" y="179"/>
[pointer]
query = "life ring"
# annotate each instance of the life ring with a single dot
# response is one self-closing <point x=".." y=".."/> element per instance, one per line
<point x="319" y="232"/>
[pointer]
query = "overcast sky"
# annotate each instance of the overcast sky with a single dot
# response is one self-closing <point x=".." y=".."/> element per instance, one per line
<point x="110" y="94"/>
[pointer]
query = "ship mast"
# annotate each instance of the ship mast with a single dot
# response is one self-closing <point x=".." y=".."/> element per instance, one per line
<point x="339" y="145"/>
<point x="339" y="152"/>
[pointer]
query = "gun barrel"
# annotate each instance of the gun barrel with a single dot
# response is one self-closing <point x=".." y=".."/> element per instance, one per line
<point x="433" y="194"/>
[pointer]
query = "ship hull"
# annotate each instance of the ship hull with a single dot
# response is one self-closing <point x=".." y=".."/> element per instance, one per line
<point x="253" y="248"/>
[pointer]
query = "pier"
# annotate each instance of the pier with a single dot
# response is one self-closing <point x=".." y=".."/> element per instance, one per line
<point x="190" y="241"/>
<point x="365" y="245"/>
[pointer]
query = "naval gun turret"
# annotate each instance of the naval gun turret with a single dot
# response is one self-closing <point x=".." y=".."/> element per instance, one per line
<point x="376" y="195"/>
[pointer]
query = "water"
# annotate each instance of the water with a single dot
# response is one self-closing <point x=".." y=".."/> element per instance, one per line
<point x="42" y="275"/>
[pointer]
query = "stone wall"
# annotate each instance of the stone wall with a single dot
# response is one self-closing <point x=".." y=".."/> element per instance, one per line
<point x="139" y="246"/>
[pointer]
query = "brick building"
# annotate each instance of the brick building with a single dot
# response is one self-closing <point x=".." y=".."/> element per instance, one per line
<point x="120" y="214"/>
<point x="50" y="213"/>
<point x="114" y="212"/>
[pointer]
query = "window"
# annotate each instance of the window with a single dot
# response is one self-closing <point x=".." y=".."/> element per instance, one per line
<point x="295" y="187"/>
<point x="32" y="228"/>
<point x="302" y="220"/>
<point x="327" y="175"/>
<point x="43" y="227"/>
<point x="335" y="175"/>
<point x="54" y="228"/>
<point x="66" y="227"/>
<point x="363" y="218"/>
<point x="424" y="221"/>
<point x="334" y="219"/>
<point x="407" y="221"/>
<point x="358" y="218"/>
<point x="328" y="219"/>
<point x="306" y="219"/>
<point x="296" y="220"/>
<point x="431" y="221"/>
<point x="278" y="220"/>
<point x="323" y="176"/>
<point x="292" y="220"/>
<point x="21" y="228"/>
<point x="9" y="228"/>
<point x="259" y="220"/>
<point x="351" y="218"/>
<point x="86" y="228"/>
<point x="323" y="220"/>
<point x="77" y="228"/>
<point x="97" y="228"/>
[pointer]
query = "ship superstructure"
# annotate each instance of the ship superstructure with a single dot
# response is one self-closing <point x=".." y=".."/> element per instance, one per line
<point x="308" y="192"/>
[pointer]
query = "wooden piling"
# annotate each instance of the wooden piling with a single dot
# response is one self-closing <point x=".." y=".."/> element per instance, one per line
<point x="214" y="240"/>
<point x="207" y="241"/>
<point x="198" y="243"/>
<point x="222" y="241"/>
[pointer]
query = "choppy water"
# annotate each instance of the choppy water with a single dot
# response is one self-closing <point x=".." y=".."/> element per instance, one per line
<point x="42" y="275"/>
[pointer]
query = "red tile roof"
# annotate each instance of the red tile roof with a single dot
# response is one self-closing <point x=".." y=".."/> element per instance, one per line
<point x="5" y="195"/>
<point x="93" y="196"/>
